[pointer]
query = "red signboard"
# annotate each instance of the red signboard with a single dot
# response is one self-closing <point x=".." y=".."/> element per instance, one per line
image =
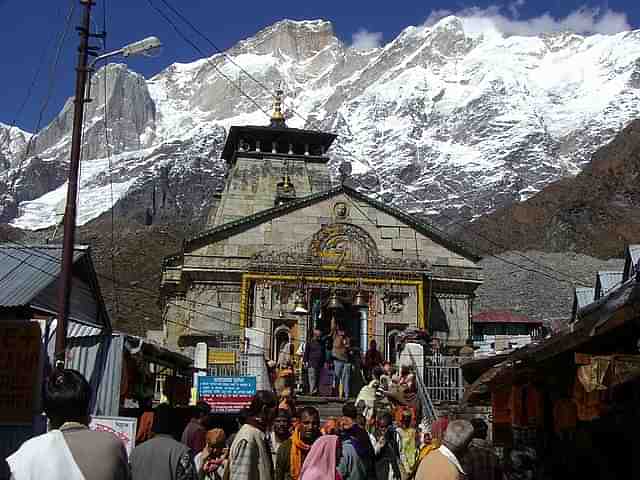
<point x="20" y="347"/>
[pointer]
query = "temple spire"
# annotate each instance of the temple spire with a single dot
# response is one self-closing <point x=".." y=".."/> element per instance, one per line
<point x="277" y="117"/>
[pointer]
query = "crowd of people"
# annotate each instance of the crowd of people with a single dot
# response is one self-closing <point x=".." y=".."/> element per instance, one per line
<point x="334" y="355"/>
<point x="272" y="443"/>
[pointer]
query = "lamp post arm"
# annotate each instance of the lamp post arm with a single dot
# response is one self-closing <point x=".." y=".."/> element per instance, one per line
<point x="92" y="68"/>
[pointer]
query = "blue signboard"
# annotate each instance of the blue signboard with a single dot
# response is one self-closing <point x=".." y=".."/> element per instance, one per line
<point x="226" y="394"/>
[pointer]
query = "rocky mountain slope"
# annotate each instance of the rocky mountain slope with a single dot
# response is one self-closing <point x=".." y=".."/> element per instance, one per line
<point x="597" y="212"/>
<point x="455" y="124"/>
<point x="525" y="291"/>
<point x="447" y="122"/>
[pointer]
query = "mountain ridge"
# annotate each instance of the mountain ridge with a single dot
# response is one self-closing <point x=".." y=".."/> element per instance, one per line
<point x="400" y="121"/>
<point x="597" y="212"/>
<point x="465" y="122"/>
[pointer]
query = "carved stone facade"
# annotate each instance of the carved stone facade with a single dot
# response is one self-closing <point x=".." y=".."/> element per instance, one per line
<point x="263" y="258"/>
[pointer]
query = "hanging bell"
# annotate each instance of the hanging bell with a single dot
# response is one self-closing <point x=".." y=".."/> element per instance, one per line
<point x="299" y="308"/>
<point x="334" y="302"/>
<point x="360" y="301"/>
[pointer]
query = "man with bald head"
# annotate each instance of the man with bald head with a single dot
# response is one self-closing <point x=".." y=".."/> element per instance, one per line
<point x="445" y="463"/>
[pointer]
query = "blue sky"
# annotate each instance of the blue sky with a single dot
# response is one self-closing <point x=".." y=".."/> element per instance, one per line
<point x="31" y="30"/>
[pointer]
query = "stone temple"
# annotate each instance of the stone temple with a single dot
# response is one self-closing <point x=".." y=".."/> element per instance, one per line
<point x="286" y="251"/>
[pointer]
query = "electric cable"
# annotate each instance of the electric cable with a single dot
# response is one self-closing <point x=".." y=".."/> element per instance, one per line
<point x="223" y="53"/>
<point x="113" y="245"/>
<point x="204" y="55"/>
<point x="47" y="99"/>
<point x="142" y="289"/>
<point x="574" y="281"/>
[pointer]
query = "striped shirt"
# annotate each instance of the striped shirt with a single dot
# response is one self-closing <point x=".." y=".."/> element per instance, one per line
<point x="250" y="455"/>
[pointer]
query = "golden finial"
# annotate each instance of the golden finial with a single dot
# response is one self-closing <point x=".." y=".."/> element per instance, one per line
<point x="277" y="118"/>
<point x="286" y="184"/>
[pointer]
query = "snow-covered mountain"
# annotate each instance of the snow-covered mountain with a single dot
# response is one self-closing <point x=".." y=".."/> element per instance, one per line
<point x="13" y="143"/>
<point x="461" y="120"/>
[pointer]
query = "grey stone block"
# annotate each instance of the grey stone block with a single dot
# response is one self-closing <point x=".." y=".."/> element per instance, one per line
<point x="388" y="232"/>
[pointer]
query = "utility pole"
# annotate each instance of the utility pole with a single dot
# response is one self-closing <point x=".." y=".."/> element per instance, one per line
<point x="66" y="273"/>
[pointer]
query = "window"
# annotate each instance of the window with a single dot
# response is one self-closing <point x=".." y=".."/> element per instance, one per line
<point x="281" y="337"/>
<point x="391" y="341"/>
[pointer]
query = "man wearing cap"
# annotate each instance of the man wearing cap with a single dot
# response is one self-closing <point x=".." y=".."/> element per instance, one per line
<point x="445" y="463"/>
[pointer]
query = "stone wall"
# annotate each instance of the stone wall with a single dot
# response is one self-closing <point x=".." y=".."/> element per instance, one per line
<point x="208" y="270"/>
<point x="393" y="238"/>
<point x="252" y="184"/>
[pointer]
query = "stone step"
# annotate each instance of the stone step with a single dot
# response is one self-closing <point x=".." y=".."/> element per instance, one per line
<point x="329" y="407"/>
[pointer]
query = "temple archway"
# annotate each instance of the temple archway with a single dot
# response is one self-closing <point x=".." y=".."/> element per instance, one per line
<point x="343" y="243"/>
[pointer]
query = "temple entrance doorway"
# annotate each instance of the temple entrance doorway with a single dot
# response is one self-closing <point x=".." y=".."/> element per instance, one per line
<point x="337" y="308"/>
<point x="352" y="319"/>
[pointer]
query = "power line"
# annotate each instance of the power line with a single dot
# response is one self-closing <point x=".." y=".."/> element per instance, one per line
<point x="255" y="103"/>
<point x="222" y="52"/>
<point x="195" y="29"/>
<point x="41" y="254"/>
<point x="574" y="281"/>
<point x="48" y="96"/>
<point x="204" y="55"/>
<point x="27" y="96"/>
<point x="110" y="164"/>
<point x="219" y="307"/>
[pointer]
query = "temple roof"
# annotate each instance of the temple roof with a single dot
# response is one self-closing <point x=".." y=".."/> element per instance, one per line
<point x="318" y="142"/>
<point x="231" y="228"/>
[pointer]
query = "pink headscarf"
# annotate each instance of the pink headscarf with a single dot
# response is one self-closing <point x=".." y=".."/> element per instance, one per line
<point x="320" y="463"/>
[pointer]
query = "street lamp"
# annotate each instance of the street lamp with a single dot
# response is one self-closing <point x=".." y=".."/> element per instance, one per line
<point x="146" y="46"/>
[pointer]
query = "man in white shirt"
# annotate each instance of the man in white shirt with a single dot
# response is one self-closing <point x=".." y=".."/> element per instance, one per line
<point x="69" y="451"/>
<point x="444" y="463"/>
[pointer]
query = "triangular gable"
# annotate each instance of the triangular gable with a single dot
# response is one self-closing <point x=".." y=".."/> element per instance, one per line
<point x="581" y="298"/>
<point x="607" y="281"/>
<point x="631" y="261"/>
<point x="232" y="228"/>
<point x="85" y="294"/>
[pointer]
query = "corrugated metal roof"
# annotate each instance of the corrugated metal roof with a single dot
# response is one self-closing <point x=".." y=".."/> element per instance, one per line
<point x="585" y="296"/>
<point x="99" y="359"/>
<point x="608" y="281"/>
<point x="502" y="316"/>
<point x="25" y="270"/>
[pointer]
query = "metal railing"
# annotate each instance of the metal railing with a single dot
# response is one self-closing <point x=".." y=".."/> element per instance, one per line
<point x="424" y="396"/>
<point x="443" y="379"/>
